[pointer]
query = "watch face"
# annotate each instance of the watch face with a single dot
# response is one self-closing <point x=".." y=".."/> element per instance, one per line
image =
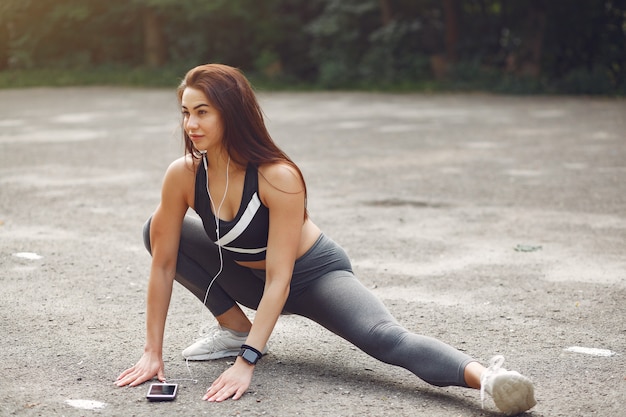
<point x="250" y="356"/>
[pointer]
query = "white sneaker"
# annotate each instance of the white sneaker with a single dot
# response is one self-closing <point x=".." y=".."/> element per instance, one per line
<point x="512" y="392"/>
<point x="218" y="342"/>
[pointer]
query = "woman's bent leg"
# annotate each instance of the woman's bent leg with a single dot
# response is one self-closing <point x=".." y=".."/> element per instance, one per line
<point x="199" y="262"/>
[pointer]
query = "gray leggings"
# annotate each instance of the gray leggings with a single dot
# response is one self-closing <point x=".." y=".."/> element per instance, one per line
<point x="323" y="289"/>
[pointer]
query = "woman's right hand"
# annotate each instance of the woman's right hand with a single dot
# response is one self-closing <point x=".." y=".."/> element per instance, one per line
<point x="165" y="230"/>
<point x="148" y="366"/>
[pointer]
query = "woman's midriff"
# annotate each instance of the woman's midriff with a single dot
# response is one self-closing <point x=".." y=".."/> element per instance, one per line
<point x="310" y="234"/>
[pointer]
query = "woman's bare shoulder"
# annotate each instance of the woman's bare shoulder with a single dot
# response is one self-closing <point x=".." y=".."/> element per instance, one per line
<point x="179" y="181"/>
<point x="282" y="176"/>
<point x="184" y="166"/>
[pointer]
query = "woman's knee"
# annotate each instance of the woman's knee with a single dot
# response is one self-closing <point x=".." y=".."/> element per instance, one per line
<point x="146" y="235"/>
<point x="384" y="338"/>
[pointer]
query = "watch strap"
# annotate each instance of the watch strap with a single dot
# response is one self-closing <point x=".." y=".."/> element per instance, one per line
<point x="245" y="347"/>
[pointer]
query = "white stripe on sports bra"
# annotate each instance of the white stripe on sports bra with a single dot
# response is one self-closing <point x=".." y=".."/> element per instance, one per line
<point x="240" y="227"/>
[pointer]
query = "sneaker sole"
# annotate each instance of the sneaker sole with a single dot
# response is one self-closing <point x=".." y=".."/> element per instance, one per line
<point x="513" y="393"/>
<point x="216" y="355"/>
<point x="211" y="356"/>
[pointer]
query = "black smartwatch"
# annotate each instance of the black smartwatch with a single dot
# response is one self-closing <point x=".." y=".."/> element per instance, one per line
<point x="250" y="354"/>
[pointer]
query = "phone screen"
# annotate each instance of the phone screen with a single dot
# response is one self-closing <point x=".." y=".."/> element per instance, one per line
<point x="162" y="389"/>
<point x="162" y="392"/>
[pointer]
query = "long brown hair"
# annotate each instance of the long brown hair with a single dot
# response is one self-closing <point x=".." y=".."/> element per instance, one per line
<point x="246" y="138"/>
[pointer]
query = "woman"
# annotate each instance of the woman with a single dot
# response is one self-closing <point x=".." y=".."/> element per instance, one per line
<point x="256" y="246"/>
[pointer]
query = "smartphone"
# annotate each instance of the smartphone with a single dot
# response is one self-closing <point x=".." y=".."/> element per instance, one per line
<point x="162" y="392"/>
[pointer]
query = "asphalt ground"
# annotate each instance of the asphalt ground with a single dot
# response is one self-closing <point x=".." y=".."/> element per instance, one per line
<point x="494" y="223"/>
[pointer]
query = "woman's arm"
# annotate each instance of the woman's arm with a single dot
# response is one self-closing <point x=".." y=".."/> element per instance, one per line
<point x="165" y="230"/>
<point x="284" y="196"/>
<point x="282" y="191"/>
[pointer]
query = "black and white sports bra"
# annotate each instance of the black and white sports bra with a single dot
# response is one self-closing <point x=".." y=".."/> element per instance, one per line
<point x="245" y="236"/>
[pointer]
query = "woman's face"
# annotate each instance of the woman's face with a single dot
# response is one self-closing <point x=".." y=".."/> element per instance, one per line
<point x="201" y="121"/>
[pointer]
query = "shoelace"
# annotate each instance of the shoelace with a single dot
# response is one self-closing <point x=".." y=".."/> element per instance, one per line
<point x="209" y="332"/>
<point x="494" y="366"/>
<point x="207" y="329"/>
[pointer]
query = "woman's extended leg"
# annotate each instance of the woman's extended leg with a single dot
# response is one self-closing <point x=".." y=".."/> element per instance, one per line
<point x="339" y="302"/>
<point x="325" y="290"/>
<point x="342" y="304"/>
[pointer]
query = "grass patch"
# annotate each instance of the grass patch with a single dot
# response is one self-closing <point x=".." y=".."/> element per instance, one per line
<point x="135" y="77"/>
<point x="170" y="77"/>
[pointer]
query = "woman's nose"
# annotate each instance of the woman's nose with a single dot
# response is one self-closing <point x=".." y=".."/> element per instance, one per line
<point x="192" y="122"/>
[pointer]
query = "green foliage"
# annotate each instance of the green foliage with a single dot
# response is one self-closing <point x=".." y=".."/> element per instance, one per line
<point x="518" y="46"/>
<point x="582" y="81"/>
<point x="69" y="33"/>
<point x="351" y="46"/>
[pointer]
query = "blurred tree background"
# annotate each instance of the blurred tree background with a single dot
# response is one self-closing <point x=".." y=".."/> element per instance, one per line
<point x="515" y="46"/>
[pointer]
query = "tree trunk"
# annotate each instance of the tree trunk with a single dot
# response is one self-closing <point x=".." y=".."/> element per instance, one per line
<point x="534" y="40"/>
<point x="385" y="12"/>
<point x="4" y="46"/>
<point x="451" y="23"/>
<point x="155" y="52"/>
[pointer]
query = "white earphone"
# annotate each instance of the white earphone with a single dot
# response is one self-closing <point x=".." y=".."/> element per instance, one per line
<point x="217" y="219"/>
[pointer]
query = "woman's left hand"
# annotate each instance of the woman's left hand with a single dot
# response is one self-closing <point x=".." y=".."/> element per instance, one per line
<point x="232" y="383"/>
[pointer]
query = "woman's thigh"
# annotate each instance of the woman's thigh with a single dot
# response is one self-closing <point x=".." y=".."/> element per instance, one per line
<point x="342" y="304"/>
